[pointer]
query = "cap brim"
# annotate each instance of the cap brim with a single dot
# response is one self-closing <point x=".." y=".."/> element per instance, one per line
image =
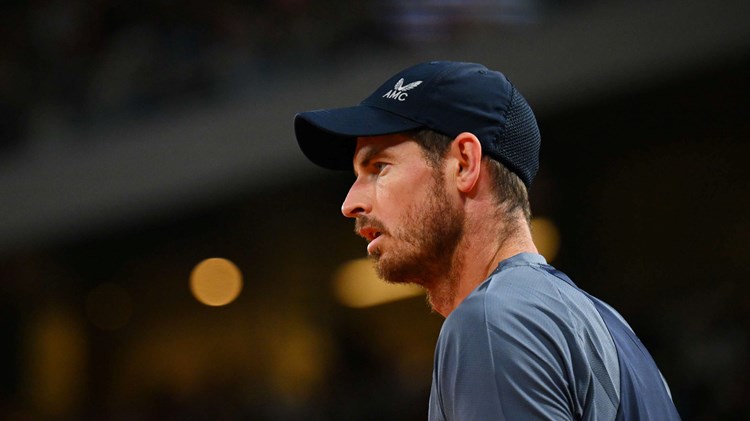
<point x="328" y="137"/>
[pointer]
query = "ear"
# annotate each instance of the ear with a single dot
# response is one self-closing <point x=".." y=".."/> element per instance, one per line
<point x="467" y="151"/>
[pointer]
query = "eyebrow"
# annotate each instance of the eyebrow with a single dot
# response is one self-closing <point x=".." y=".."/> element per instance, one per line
<point x="369" y="153"/>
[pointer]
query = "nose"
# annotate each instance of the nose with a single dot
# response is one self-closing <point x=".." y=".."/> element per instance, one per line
<point x="357" y="201"/>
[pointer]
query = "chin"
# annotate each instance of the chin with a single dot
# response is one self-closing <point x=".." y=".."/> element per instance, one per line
<point x="399" y="271"/>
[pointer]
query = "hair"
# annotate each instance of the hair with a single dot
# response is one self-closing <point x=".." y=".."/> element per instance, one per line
<point x="510" y="192"/>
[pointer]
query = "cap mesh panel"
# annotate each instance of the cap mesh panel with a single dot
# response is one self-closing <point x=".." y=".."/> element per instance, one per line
<point x="519" y="143"/>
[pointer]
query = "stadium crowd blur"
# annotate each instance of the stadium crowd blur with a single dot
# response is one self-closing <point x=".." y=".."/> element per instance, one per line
<point x="86" y="64"/>
<point x="88" y="61"/>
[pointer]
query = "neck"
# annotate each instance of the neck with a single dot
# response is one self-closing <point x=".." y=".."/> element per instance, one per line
<point x="476" y="257"/>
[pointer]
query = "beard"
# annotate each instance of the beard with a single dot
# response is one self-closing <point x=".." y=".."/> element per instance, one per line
<point x="423" y="249"/>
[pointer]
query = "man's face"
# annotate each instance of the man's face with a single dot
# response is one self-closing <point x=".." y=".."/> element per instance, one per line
<point x="403" y="209"/>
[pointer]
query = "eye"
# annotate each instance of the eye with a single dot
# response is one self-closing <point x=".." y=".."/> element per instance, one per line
<point x="380" y="166"/>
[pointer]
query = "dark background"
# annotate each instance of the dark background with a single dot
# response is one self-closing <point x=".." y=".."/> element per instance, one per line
<point x="139" y="138"/>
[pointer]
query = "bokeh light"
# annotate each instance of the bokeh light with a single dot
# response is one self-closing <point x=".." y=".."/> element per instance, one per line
<point x="356" y="284"/>
<point x="56" y="348"/>
<point x="546" y="237"/>
<point x="216" y="281"/>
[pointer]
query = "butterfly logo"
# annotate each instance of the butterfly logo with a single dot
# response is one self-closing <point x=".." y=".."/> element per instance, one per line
<point x="399" y="90"/>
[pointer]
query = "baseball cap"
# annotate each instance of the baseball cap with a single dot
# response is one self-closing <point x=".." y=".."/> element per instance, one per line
<point x="445" y="96"/>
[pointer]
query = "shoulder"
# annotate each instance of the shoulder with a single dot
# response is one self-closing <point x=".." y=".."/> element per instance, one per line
<point x="524" y="310"/>
<point x="503" y="350"/>
<point x="518" y="314"/>
<point x="540" y="337"/>
<point x="523" y="294"/>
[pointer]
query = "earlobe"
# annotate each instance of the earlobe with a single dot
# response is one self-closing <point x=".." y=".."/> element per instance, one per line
<point x="468" y="152"/>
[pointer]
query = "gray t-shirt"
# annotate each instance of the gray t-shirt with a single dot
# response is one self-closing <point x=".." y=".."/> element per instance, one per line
<point x="525" y="346"/>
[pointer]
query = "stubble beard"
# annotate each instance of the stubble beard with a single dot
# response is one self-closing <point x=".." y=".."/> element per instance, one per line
<point x="426" y="245"/>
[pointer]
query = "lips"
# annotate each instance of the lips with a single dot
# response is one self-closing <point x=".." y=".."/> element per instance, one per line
<point x="369" y="233"/>
<point x="372" y="235"/>
<point x="372" y="248"/>
<point x="371" y="230"/>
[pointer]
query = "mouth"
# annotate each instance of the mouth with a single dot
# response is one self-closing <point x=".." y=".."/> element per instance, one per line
<point x="369" y="233"/>
<point x="372" y="231"/>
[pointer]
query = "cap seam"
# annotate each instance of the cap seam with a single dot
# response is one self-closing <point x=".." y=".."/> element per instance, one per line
<point x="439" y="76"/>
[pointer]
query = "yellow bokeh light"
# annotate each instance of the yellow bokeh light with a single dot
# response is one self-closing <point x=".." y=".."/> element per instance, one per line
<point x="298" y="362"/>
<point x="56" y="358"/>
<point x="216" y="282"/>
<point x="357" y="285"/>
<point x="546" y="237"/>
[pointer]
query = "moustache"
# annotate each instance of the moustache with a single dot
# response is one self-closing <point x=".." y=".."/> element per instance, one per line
<point x="368" y="222"/>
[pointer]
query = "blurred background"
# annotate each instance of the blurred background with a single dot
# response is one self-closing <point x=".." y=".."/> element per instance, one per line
<point x="166" y="252"/>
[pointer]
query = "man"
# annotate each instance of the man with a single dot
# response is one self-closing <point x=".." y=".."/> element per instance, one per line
<point x="443" y="155"/>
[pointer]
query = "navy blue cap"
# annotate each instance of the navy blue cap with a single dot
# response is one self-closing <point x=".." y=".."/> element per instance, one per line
<point x="447" y="97"/>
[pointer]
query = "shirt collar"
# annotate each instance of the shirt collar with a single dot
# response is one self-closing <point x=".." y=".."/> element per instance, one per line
<point x="521" y="259"/>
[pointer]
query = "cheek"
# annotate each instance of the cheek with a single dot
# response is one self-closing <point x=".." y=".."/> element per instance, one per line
<point x="396" y="193"/>
<point x="400" y="191"/>
<point x="390" y="207"/>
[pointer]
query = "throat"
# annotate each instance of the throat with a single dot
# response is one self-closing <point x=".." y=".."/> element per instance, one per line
<point x="442" y="296"/>
<point x="443" y="292"/>
<point x="467" y="271"/>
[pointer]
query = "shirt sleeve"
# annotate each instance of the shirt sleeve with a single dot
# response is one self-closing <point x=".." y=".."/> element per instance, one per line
<point x="502" y="358"/>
